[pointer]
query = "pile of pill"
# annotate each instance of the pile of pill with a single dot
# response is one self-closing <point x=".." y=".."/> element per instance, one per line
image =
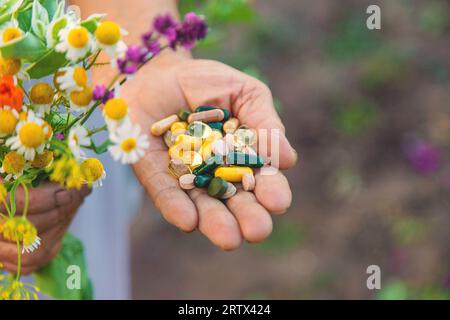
<point x="210" y="149"/>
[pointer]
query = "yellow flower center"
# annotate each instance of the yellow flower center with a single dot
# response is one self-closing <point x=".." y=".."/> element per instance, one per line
<point x="41" y="93"/>
<point x="92" y="169"/>
<point x="80" y="76"/>
<point x="78" y="37"/>
<point x="9" y="67"/>
<point x="31" y="135"/>
<point x="13" y="163"/>
<point x="108" y="33"/>
<point x="128" y="145"/>
<point x="8" y="122"/>
<point x="43" y="160"/>
<point x="82" y="98"/>
<point x="116" y="109"/>
<point x="11" y="33"/>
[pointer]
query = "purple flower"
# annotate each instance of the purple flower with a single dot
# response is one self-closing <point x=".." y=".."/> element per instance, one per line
<point x="424" y="157"/>
<point x="166" y="26"/>
<point x="136" y="54"/>
<point x="126" y="66"/>
<point x="152" y="45"/>
<point x="193" y="28"/>
<point x="59" y="136"/>
<point x="101" y="93"/>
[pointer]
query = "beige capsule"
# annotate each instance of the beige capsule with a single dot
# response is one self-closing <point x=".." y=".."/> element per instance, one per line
<point x="168" y="139"/>
<point x="187" y="182"/>
<point x="248" y="182"/>
<point x="161" y="127"/>
<point x="231" y="192"/>
<point x="215" y="115"/>
<point x="231" y="125"/>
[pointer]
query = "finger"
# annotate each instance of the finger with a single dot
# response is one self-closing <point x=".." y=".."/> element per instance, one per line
<point x="12" y="268"/>
<point x="47" y="197"/>
<point x="215" y="221"/>
<point x="174" y="204"/>
<point x="254" y="220"/>
<point x="273" y="191"/>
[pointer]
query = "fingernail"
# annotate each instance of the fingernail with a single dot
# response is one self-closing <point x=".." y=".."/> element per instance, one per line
<point x="63" y="198"/>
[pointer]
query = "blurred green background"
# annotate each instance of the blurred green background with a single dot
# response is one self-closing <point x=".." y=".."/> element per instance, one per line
<point x="369" y="113"/>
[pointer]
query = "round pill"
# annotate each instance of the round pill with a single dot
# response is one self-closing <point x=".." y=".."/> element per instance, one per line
<point x="248" y="182"/>
<point x="221" y="148"/>
<point x="187" y="182"/>
<point x="231" y="192"/>
<point x="199" y="130"/>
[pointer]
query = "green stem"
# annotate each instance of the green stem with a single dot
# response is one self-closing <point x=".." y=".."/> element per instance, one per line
<point x="19" y="260"/>
<point x="27" y="199"/>
<point x="97" y="130"/>
<point x="94" y="59"/>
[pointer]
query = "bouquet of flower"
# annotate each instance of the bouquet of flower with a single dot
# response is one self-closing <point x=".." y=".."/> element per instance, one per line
<point x="43" y="131"/>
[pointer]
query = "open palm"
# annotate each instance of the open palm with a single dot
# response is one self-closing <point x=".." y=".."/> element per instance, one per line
<point x="169" y="84"/>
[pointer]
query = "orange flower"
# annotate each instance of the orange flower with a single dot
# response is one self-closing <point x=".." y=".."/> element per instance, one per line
<point x="10" y="94"/>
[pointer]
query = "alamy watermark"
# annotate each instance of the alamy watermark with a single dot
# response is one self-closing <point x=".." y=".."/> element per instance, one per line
<point x="374" y="20"/>
<point x="373" y="282"/>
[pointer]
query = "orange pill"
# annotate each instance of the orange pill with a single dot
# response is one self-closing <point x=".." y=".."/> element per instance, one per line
<point x="215" y="115"/>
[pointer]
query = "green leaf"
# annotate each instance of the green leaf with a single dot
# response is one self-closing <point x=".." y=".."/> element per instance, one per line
<point x="28" y="47"/>
<point x="91" y="22"/>
<point x="47" y="65"/>
<point x="41" y="177"/>
<point x="101" y="148"/>
<point x="7" y="8"/>
<point x="59" y="11"/>
<point x="53" y="7"/>
<point x="53" y="30"/>
<point x="52" y="279"/>
<point x="39" y="19"/>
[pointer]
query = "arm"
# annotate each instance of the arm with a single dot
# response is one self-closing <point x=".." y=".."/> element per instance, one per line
<point x="175" y="80"/>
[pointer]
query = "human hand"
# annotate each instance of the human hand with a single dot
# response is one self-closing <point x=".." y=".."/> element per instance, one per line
<point x="51" y="210"/>
<point x="171" y="82"/>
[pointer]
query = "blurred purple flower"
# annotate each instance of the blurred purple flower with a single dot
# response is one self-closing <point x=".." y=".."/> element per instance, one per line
<point x="59" y="136"/>
<point x="193" y="28"/>
<point x="101" y="93"/>
<point x="152" y="45"/>
<point x="166" y="26"/>
<point x="136" y="54"/>
<point x="424" y="157"/>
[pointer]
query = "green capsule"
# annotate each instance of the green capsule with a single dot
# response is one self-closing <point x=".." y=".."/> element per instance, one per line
<point x="245" y="160"/>
<point x="183" y="114"/>
<point x="208" y="166"/>
<point x="226" y="113"/>
<point x="202" y="181"/>
<point x="216" y="126"/>
<point x="217" y="188"/>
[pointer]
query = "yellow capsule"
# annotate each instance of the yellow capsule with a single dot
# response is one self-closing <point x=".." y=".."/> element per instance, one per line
<point x="231" y="125"/>
<point x="188" y="143"/>
<point x="215" y="135"/>
<point x="206" y="150"/>
<point x="192" y="158"/>
<point x="175" y="152"/>
<point x="232" y="174"/>
<point x="178" y="126"/>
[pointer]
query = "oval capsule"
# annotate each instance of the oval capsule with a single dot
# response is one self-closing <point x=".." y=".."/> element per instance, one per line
<point x="232" y="174"/>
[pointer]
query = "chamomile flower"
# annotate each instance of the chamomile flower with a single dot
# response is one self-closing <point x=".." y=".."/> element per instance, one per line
<point x="75" y="41"/>
<point x="8" y="121"/>
<point x="22" y="230"/>
<point x="93" y="172"/>
<point x="30" y="138"/>
<point x="128" y="143"/>
<point x="67" y="172"/>
<point x="13" y="67"/>
<point x="115" y="112"/>
<point x="78" y="137"/>
<point x="10" y="32"/>
<point x="109" y="38"/>
<point x="81" y="100"/>
<point x="71" y="79"/>
<point x="41" y="97"/>
<point x="13" y="165"/>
